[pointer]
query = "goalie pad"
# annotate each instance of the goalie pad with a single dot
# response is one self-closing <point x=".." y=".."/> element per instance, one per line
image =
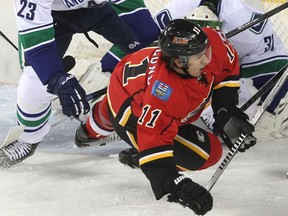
<point x="274" y="125"/>
<point x="246" y="91"/>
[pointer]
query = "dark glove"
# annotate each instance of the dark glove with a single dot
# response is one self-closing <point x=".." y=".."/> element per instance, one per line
<point x="230" y="124"/>
<point x="71" y="95"/>
<point x="188" y="193"/>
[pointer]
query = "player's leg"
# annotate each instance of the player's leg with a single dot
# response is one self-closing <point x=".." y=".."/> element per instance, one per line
<point x="195" y="148"/>
<point x="98" y="130"/>
<point x="274" y="121"/>
<point x="102" y="127"/>
<point x="137" y="16"/>
<point x="33" y="111"/>
<point x="261" y="66"/>
<point x="128" y="133"/>
<point x="104" y="21"/>
<point x="260" y="81"/>
<point x="33" y="106"/>
<point x="63" y="30"/>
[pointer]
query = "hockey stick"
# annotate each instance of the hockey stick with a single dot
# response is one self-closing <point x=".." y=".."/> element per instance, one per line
<point x="8" y="40"/>
<point x="97" y="94"/>
<point x="92" y="96"/>
<point x="257" y="20"/>
<point x="242" y="137"/>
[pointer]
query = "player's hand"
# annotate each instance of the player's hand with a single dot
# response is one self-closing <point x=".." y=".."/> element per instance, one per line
<point x="71" y="95"/>
<point x="230" y="124"/>
<point x="188" y="193"/>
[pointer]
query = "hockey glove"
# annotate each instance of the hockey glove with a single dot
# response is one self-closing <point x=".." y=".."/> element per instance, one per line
<point x="188" y="193"/>
<point x="230" y="124"/>
<point x="71" y="95"/>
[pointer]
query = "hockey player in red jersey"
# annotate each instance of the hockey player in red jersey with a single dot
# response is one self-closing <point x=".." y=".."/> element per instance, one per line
<point x="153" y="97"/>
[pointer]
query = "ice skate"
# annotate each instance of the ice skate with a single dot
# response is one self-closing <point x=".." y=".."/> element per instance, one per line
<point x="129" y="157"/>
<point x="82" y="140"/>
<point x="15" y="152"/>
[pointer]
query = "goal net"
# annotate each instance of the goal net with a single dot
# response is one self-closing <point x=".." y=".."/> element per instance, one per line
<point x="279" y="21"/>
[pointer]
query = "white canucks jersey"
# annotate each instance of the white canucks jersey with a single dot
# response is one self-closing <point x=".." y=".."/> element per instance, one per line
<point x="32" y="13"/>
<point x="36" y="32"/>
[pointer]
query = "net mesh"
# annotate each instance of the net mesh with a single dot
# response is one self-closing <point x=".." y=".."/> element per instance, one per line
<point x="279" y="20"/>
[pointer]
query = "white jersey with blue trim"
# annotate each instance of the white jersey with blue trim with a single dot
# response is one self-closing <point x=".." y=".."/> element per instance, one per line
<point x="36" y="33"/>
<point x="32" y="13"/>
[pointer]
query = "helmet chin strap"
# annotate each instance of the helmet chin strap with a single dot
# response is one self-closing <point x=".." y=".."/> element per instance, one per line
<point x="185" y="66"/>
<point x="186" y="74"/>
<point x="185" y="70"/>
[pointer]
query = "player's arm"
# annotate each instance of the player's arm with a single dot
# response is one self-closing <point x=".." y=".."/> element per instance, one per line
<point x="155" y="133"/>
<point x="230" y="121"/>
<point x="36" y="39"/>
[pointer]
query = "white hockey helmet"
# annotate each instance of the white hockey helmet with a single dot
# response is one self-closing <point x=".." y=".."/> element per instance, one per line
<point x="204" y="17"/>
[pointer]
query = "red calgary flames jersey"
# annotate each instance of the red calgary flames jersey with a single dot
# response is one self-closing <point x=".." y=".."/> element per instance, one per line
<point x="162" y="100"/>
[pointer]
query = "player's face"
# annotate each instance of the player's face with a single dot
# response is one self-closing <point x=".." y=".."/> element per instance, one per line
<point x="197" y="62"/>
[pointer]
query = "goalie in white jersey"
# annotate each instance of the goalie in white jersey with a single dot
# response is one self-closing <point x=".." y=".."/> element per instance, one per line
<point x="261" y="52"/>
<point x="45" y="30"/>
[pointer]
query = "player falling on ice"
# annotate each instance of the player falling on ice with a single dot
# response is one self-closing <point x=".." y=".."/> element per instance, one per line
<point x="153" y="97"/>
